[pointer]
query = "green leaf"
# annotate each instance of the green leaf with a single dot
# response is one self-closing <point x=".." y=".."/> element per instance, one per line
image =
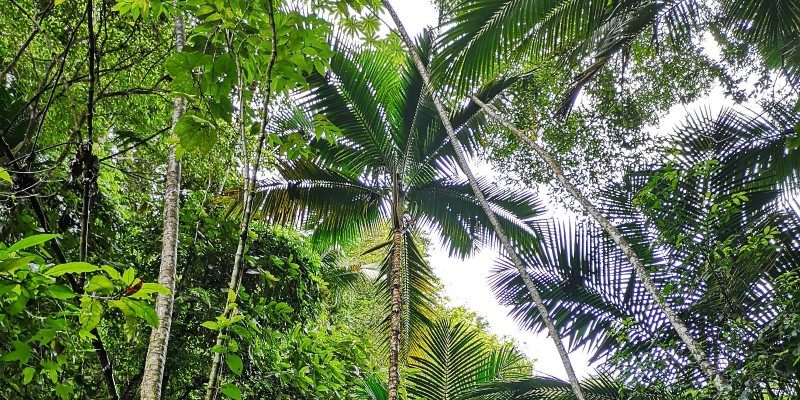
<point x="91" y="313"/>
<point x="27" y="375"/>
<point x="21" y="352"/>
<point x="235" y="364"/>
<point x="12" y="264"/>
<point x="143" y="311"/>
<point x="210" y="325"/>
<point x="231" y="391"/>
<point x="71" y="268"/>
<point x="61" y="292"/>
<point x="6" y="286"/>
<point x="31" y="241"/>
<point x="18" y="305"/>
<point x="155" y="288"/>
<point x="5" y="176"/>
<point x="128" y="276"/>
<point x="112" y="273"/>
<point x="100" y="283"/>
<point x="44" y="336"/>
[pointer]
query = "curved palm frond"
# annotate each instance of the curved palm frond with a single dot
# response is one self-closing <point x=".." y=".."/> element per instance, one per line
<point x="724" y="186"/>
<point x="550" y="388"/>
<point x="449" y="208"/>
<point x="482" y="38"/>
<point x="371" y="388"/>
<point x="586" y="283"/>
<point x="418" y="292"/>
<point x="454" y="360"/>
<point x="322" y="199"/>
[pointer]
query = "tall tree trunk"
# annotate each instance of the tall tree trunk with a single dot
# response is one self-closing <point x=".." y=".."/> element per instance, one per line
<point x="499" y="231"/>
<point x="394" y="321"/>
<point x="159" y="338"/>
<point x="677" y="323"/>
<point x="247" y="200"/>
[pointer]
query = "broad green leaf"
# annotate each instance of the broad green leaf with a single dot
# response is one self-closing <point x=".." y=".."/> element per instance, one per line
<point x="19" y="304"/>
<point x="11" y="264"/>
<point x="231" y="391"/>
<point x="112" y="272"/>
<point x="5" y="176"/>
<point x="71" y="268"/>
<point x="210" y="325"/>
<point x="100" y="283"/>
<point x="44" y="336"/>
<point x="128" y="276"/>
<point x="61" y="292"/>
<point x="31" y="241"/>
<point x="235" y="364"/>
<point x="6" y="286"/>
<point x="91" y="313"/>
<point x="21" y="352"/>
<point x="142" y="310"/>
<point x="27" y="375"/>
<point x="155" y="288"/>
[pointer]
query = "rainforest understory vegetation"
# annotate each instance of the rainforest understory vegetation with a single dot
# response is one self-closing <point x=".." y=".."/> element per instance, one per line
<point x="231" y="199"/>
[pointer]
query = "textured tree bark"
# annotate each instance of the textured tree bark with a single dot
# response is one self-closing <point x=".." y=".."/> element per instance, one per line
<point x="677" y="323"/>
<point x="159" y="337"/>
<point x="394" y="321"/>
<point x="499" y="231"/>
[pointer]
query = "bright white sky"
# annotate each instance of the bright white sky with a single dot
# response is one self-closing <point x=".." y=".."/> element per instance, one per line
<point x="466" y="282"/>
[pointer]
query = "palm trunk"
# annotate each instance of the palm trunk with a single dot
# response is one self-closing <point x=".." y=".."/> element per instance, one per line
<point x="394" y="339"/>
<point x="499" y="231"/>
<point x="247" y="201"/>
<point x="159" y="338"/>
<point x="677" y="323"/>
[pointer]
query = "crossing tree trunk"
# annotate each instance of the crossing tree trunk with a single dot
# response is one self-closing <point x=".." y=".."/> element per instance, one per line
<point x="677" y="323"/>
<point x="499" y="231"/>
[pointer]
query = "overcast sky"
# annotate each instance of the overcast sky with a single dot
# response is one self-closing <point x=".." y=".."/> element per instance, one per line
<point x="466" y="282"/>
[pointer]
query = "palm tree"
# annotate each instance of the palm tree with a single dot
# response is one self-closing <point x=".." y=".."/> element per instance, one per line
<point x="505" y="240"/>
<point x="393" y="163"/>
<point x="699" y="222"/>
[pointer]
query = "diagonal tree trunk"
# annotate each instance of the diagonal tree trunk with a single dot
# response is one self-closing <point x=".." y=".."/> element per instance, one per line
<point x="159" y="338"/>
<point x="247" y="200"/>
<point x="677" y="323"/>
<point x="499" y="231"/>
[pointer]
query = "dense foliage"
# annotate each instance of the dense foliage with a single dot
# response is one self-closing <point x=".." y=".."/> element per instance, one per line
<point x="299" y="154"/>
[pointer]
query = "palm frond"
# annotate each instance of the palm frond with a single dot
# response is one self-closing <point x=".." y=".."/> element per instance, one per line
<point x="481" y="38"/>
<point x="449" y="208"/>
<point x="550" y="388"/>
<point x="453" y="360"/>
<point x="371" y="388"/>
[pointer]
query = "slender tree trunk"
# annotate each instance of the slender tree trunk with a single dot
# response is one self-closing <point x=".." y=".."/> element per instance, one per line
<point x="247" y="200"/>
<point x="394" y="321"/>
<point x="677" y="323"/>
<point x="90" y="175"/>
<point x="159" y="338"/>
<point x="499" y="231"/>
